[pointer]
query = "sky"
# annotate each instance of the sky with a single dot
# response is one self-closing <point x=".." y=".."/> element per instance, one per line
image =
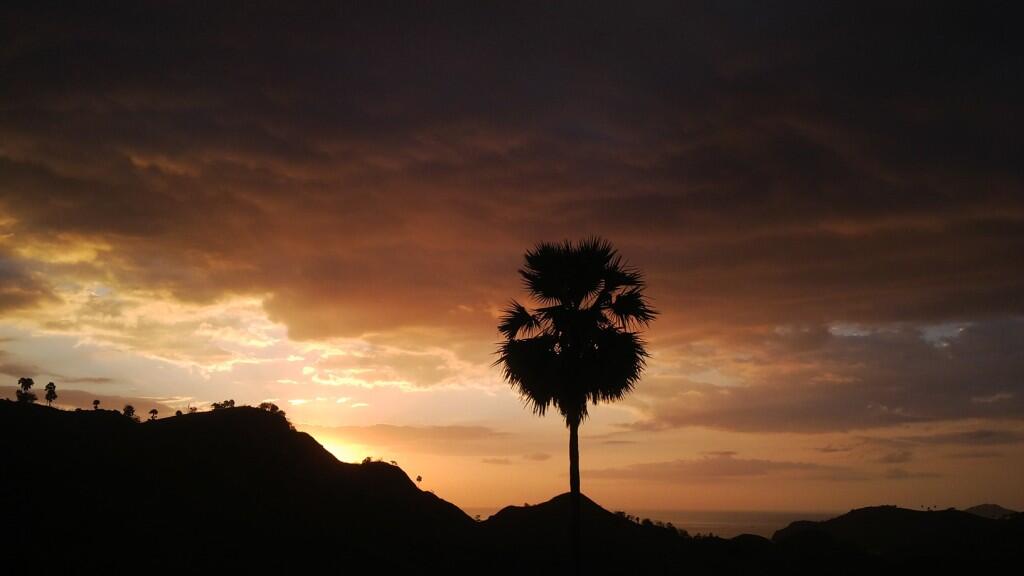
<point x="325" y="207"/>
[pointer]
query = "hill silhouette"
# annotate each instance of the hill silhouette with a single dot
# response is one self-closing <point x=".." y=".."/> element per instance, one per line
<point x="993" y="511"/>
<point x="239" y="489"/>
<point x="544" y="528"/>
<point x="233" y="487"/>
<point x="617" y="544"/>
<point x="908" y="538"/>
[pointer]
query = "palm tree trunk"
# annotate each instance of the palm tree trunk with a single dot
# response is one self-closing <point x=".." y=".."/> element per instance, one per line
<point x="574" y="458"/>
<point x="574" y="496"/>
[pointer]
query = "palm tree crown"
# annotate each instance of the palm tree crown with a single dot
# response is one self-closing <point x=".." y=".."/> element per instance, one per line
<point x="581" y="342"/>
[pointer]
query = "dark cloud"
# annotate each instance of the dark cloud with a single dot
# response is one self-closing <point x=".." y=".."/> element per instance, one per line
<point x="713" y="468"/>
<point x="896" y="457"/>
<point x="87" y="380"/>
<point x="537" y="456"/>
<point x="11" y="366"/>
<point x="983" y="437"/>
<point x="830" y="449"/>
<point x="20" y="287"/>
<point x="975" y="455"/>
<point x="904" y="474"/>
<point x="497" y="461"/>
<point x="818" y="379"/>
<point x="962" y="444"/>
<point x="368" y="170"/>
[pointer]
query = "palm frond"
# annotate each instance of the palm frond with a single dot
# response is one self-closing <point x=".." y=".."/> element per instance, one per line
<point x="631" y="309"/>
<point x="516" y="320"/>
<point x="532" y="367"/>
<point x="620" y="276"/>
<point x="566" y="272"/>
<point x="568" y="320"/>
<point x="613" y="365"/>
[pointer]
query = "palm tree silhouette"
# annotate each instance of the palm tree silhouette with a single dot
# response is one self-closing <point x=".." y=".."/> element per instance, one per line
<point x="580" y="343"/>
<point x="51" y="393"/>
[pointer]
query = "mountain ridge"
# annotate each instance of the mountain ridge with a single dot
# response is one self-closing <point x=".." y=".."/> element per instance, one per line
<point x="239" y="488"/>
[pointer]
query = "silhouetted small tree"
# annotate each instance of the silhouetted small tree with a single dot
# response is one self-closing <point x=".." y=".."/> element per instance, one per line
<point x="51" y="393"/>
<point x="129" y="411"/>
<point x="272" y="408"/>
<point x="24" y="393"/>
<point x="224" y="404"/>
<point x="177" y="412"/>
<point x="192" y="409"/>
<point x="152" y="414"/>
<point x="95" y="404"/>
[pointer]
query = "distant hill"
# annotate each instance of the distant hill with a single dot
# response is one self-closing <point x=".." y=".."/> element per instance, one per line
<point x="531" y="538"/>
<point x="993" y="511"/>
<point x="239" y="490"/>
<point x="903" y="536"/>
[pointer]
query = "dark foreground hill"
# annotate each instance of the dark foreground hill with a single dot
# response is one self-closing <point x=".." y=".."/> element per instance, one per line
<point x="231" y="488"/>
<point x="239" y="490"/>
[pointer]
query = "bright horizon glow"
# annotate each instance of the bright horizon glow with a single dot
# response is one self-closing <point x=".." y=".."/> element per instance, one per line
<point x="346" y="452"/>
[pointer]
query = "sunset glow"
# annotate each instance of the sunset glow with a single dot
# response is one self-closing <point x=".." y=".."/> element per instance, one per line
<point x="333" y="221"/>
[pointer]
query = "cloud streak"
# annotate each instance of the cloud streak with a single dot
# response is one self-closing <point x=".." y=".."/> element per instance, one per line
<point x="821" y="379"/>
<point x="718" y="467"/>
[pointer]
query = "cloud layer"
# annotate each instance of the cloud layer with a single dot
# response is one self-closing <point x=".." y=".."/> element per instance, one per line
<point x="826" y="203"/>
<point x="818" y="379"/>
<point x="720" y="467"/>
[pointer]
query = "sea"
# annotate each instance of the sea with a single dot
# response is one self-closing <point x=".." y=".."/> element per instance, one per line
<point x="723" y="523"/>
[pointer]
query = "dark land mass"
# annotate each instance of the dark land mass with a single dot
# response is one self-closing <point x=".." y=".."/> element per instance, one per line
<point x="238" y="489"/>
<point x="993" y="511"/>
